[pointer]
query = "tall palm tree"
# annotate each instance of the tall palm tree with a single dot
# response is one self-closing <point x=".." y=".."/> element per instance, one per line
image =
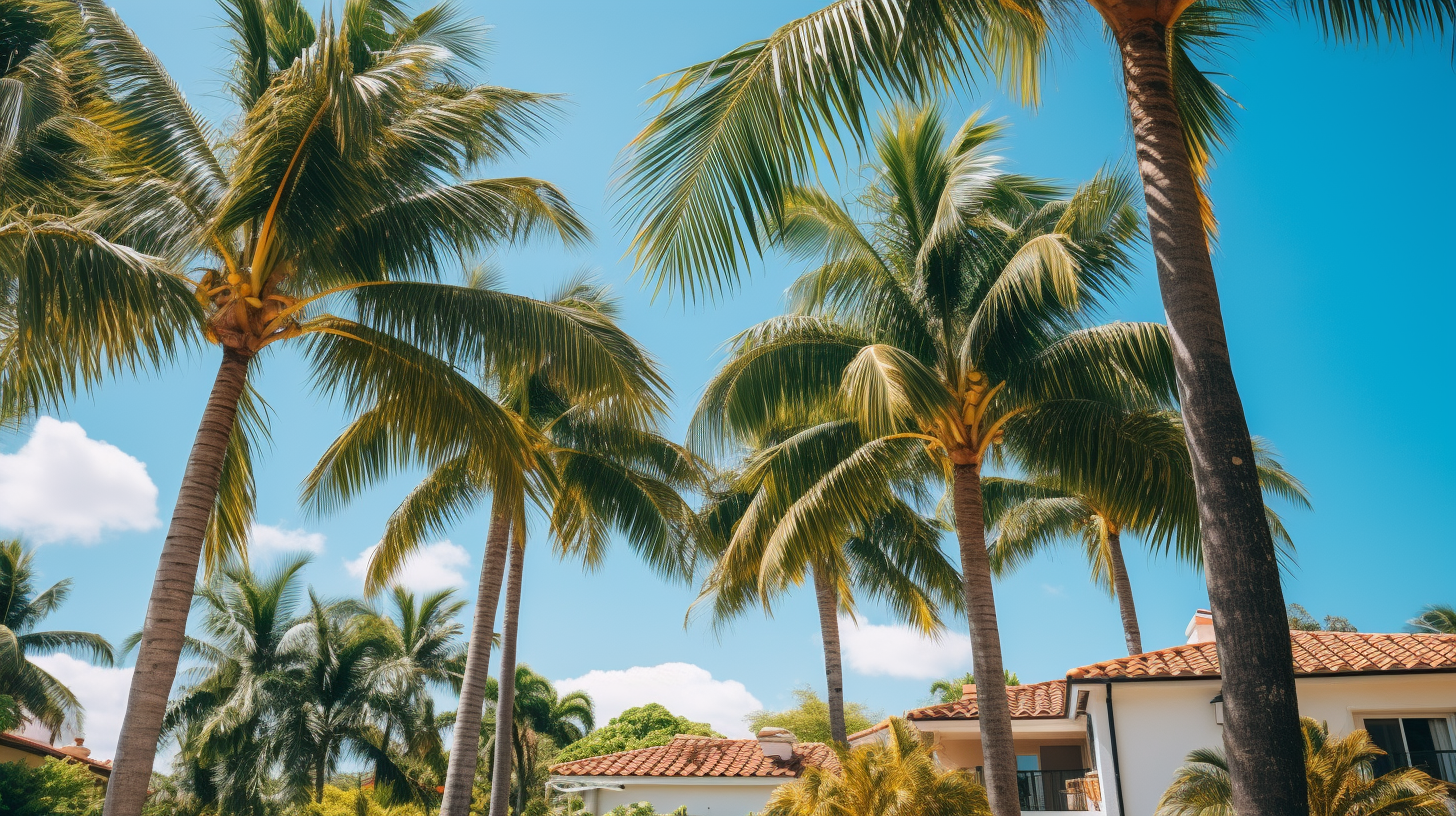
<point x="538" y="711"/>
<point x="1436" y="618"/>
<point x="711" y="171"/>
<point x="1135" y="478"/>
<point x="948" y="323"/>
<point x="349" y="175"/>
<point x="597" y="464"/>
<point x="897" y="776"/>
<point x="23" y="606"/>
<point x="1340" y="781"/>
<point x="895" y="557"/>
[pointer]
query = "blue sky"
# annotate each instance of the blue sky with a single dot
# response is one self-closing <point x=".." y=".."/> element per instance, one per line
<point x="1336" y="275"/>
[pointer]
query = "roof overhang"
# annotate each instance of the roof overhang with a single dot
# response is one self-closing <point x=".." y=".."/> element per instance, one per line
<point x="625" y="781"/>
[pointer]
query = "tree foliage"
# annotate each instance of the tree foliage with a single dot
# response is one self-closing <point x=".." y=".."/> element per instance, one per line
<point x="951" y="689"/>
<point x="809" y="718"/>
<point x="54" y="788"/>
<point x="1436" y="619"/>
<point x="639" y="727"/>
<point x="1300" y="620"/>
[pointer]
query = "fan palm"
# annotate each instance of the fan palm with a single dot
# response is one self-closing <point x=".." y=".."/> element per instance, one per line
<point x="947" y="324"/>
<point x="1136" y="479"/>
<point x="733" y="135"/>
<point x="895" y="557"/>
<point x="347" y="182"/>
<point x="23" y="606"/>
<point x="1436" y="618"/>
<point x="598" y="464"/>
<point x="538" y="711"/>
<point x="893" y="776"/>
<point x="1339" y="775"/>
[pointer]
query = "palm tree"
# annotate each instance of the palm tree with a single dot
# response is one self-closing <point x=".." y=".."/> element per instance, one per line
<point x="1340" y="776"/>
<point x="35" y="693"/>
<point x="895" y="557"/>
<point x="711" y="172"/>
<point x="1135" y="478"/>
<point x="537" y="712"/>
<point x="1435" y="618"/>
<point x="348" y="176"/>
<point x="947" y="324"/>
<point x="597" y="463"/>
<point x="896" y="776"/>
<point x="952" y="689"/>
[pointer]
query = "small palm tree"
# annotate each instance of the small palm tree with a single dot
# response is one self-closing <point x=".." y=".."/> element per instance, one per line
<point x="948" y="691"/>
<point x="893" y="776"/>
<point x="1435" y="618"/>
<point x="1339" y="774"/>
<point x="1134" y="478"/>
<point x="538" y="712"/>
<point x="33" y="691"/>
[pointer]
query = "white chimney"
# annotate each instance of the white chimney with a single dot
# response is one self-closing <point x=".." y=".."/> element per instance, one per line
<point x="1200" y="629"/>
<point x="777" y="743"/>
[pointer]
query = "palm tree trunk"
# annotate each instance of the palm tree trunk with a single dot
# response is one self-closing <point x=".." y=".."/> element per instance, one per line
<point x="997" y="746"/>
<point x="166" y="621"/>
<point x="319" y="771"/>
<point x="825" y="592"/>
<point x="1261" y="732"/>
<point x="505" y="708"/>
<point x="465" y="746"/>
<point x="1122" y="588"/>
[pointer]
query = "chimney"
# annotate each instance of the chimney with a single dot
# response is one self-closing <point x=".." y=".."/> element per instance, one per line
<point x="78" y="751"/>
<point x="1200" y="629"/>
<point x="777" y="743"/>
<point x="968" y="691"/>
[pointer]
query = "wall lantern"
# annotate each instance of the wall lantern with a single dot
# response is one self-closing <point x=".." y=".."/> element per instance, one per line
<point x="1217" y="702"/>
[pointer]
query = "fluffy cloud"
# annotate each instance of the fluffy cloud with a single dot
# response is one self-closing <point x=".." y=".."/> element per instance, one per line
<point x="265" y="539"/>
<point x="64" y="485"/>
<point x="432" y="567"/>
<point x="899" y="651"/>
<point x="685" y="689"/>
<point x="102" y="693"/>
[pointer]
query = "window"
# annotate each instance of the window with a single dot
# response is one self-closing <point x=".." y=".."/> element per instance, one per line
<point x="1025" y="762"/>
<point x="1414" y="742"/>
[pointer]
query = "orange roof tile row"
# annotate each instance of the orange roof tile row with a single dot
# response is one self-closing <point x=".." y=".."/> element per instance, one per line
<point x="102" y="767"/>
<point x="1314" y="653"/>
<point x="702" y="756"/>
<point x="1031" y="701"/>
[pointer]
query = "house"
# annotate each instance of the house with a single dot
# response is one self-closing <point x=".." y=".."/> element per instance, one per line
<point x="15" y="748"/>
<point x="711" y="777"/>
<point x="1110" y="736"/>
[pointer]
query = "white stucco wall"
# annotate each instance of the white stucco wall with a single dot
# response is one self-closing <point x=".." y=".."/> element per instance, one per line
<point x="1159" y="722"/>
<point x="703" y="797"/>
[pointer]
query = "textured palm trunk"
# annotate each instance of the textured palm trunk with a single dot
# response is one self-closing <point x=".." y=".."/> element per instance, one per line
<point x="1122" y="588"/>
<point x="465" y="746"/>
<point x="505" y="709"/>
<point x="319" y="772"/>
<point x="1261" y="731"/>
<point x="828" y="598"/>
<point x="997" y="746"/>
<point x="166" y="621"/>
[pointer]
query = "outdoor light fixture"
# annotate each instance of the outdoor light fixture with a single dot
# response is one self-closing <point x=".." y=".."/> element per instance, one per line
<point x="1218" y="708"/>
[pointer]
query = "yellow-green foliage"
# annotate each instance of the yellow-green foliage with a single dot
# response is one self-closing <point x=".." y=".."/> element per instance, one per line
<point x="55" y="788"/>
<point x="356" y="802"/>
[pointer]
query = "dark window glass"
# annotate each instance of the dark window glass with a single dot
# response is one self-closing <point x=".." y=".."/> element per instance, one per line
<point x="1386" y="735"/>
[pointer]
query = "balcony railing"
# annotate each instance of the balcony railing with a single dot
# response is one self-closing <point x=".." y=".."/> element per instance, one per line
<point x="1440" y="764"/>
<point x="1047" y="790"/>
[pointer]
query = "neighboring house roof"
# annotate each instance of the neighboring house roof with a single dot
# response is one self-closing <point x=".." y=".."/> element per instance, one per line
<point x="38" y="748"/>
<point x="1028" y="702"/>
<point x="1314" y="653"/>
<point x="879" y="726"/>
<point x="692" y="756"/>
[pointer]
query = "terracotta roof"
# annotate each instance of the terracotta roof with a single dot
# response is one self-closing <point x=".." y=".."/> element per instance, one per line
<point x="702" y="756"/>
<point x="1029" y="702"/>
<point x="42" y="749"/>
<point x="1314" y="653"/>
<point x="879" y="726"/>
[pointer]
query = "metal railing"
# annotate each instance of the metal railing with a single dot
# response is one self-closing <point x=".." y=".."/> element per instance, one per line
<point x="1047" y="790"/>
<point x="1440" y="764"/>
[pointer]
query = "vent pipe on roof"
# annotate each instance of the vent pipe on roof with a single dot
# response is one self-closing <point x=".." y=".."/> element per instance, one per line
<point x="777" y="743"/>
<point x="1200" y="629"/>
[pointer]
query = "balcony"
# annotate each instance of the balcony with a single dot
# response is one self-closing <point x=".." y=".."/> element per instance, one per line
<point x="1048" y="790"/>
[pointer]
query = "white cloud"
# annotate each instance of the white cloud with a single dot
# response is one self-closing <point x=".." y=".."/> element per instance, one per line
<point x="64" y="485"/>
<point x="683" y="688"/>
<point x="432" y="567"/>
<point x="102" y="692"/>
<point x="266" y="539"/>
<point x="899" y="651"/>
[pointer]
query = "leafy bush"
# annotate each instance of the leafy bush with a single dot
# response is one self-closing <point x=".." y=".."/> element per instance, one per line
<point x="55" y="788"/>
<point x="643" y="809"/>
<point x="809" y="720"/>
<point x="641" y="727"/>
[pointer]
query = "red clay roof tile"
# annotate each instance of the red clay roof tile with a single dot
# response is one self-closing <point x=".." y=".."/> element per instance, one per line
<point x="702" y="757"/>
<point x="1032" y="701"/>
<point x="1314" y="653"/>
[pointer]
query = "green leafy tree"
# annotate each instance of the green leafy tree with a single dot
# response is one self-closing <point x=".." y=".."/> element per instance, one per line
<point x="32" y="692"/>
<point x="948" y="323"/>
<point x="894" y="776"/>
<point x="1435" y="619"/>
<point x="643" y="809"/>
<point x="809" y="718"/>
<point x="1301" y="620"/>
<point x="950" y="690"/>
<point x="1134" y="478"/>
<point x="640" y="727"/>
<point x="1339" y="774"/>
<point x="54" y="788"/>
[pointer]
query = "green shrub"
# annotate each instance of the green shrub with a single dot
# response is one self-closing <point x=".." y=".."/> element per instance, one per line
<point x="55" y="788"/>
